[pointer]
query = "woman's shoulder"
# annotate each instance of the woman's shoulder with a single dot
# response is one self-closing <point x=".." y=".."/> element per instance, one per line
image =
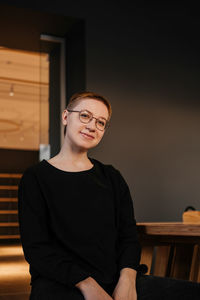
<point x="105" y="166"/>
<point x="113" y="174"/>
<point x="32" y="170"/>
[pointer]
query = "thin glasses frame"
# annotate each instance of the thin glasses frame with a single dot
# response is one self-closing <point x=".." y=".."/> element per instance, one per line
<point x="91" y="117"/>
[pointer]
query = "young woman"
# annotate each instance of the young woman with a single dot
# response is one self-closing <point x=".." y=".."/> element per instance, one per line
<point x="76" y="216"/>
<point x="77" y="224"/>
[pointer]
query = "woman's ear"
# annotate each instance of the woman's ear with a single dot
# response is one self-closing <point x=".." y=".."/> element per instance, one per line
<point x="64" y="117"/>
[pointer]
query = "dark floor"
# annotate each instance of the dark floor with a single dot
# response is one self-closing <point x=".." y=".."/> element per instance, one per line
<point x="14" y="273"/>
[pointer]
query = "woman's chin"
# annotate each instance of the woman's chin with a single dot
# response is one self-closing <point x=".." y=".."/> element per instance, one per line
<point x="84" y="147"/>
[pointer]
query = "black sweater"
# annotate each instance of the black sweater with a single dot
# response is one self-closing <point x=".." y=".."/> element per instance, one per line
<point x="77" y="224"/>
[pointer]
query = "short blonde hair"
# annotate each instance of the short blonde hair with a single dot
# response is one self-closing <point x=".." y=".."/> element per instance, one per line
<point x="88" y="95"/>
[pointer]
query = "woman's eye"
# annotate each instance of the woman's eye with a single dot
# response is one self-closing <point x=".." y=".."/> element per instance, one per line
<point x="101" y="123"/>
<point x="85" y="115"/>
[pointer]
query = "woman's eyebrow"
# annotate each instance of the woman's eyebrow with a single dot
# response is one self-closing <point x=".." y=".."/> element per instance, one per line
<point x="93" y="114"/>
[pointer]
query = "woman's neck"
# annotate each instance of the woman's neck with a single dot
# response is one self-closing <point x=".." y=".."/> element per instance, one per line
<point x="76" y="160"/>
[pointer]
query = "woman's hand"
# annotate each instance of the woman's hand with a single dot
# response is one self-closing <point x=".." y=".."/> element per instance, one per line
<point x="91" y="290"/>
<point x="126" y="286"/>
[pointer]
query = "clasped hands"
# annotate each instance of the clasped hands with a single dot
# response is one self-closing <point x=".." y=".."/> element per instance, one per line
<point x="124" y="290"/>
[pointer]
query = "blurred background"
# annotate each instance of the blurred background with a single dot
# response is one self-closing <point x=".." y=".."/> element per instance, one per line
<point x="143" y="57"/>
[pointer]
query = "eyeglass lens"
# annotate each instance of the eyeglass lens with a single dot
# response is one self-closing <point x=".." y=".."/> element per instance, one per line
<point x="86" y="117"/>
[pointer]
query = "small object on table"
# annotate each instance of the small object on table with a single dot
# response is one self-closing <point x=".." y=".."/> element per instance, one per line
<point x="191" y="216"/>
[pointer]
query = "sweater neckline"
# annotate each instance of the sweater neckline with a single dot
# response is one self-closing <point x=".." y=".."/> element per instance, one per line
<point x="71" y="172"/>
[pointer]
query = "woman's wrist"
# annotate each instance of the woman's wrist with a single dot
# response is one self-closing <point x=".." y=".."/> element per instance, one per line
<point x="128" y="274"/>
<point x="83" y="284"/>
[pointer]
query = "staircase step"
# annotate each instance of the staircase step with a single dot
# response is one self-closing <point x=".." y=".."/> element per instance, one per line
<point x="8" y="187"/>
<point x="9" y="175"/>
<point x="2" y="212"/>
<point x="11" y="236"/>
<point x="9" y="224"/>
<point x="8" y="199"/>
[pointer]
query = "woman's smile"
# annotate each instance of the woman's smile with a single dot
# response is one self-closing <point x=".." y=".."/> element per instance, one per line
<point x="87" y="136"/>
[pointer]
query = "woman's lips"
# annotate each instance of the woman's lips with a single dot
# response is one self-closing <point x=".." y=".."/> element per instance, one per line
<point x="87" y="136"/>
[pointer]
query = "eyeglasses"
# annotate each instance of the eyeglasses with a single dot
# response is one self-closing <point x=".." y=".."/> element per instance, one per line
<point x="86" y="116"/>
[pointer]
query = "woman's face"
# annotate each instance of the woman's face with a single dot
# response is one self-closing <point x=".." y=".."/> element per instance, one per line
<point x="80" y="135"/>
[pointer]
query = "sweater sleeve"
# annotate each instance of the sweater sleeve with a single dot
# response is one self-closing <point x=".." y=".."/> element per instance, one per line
<point x="40" y="251"/>
<point x="129" y="249"/>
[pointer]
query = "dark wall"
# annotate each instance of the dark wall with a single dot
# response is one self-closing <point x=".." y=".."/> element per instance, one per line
<point x="145" y="59"/>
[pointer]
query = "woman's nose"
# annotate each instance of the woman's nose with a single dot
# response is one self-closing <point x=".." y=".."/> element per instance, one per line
<point x="91" y="125"/>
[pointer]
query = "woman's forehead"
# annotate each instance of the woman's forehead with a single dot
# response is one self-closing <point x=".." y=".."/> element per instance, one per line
<point x="94" y="106"/>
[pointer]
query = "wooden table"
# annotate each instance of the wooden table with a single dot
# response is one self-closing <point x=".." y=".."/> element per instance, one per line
<point x="171" y="249"/>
